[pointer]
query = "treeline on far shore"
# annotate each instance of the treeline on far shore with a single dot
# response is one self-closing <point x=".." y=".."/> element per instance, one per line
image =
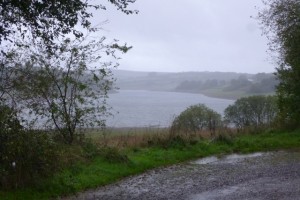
<point x="217" y="84"/>
<point x="258" y="84"/>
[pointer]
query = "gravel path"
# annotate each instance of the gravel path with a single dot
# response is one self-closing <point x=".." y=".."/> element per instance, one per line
<point x="273" y="175"/>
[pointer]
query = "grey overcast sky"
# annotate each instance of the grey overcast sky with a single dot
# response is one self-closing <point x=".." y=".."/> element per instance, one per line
<point x="190" y="35"/>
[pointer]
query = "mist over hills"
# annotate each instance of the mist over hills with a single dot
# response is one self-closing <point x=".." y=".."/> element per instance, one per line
<point x="230" y="85"/>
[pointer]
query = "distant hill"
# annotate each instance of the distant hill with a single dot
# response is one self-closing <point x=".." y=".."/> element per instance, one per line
<point x="217" y="84"/>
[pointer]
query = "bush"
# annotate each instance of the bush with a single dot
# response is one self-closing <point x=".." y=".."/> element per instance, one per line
<point x="25" y="155"/>
<point x="196" y="118"/>
<point x="252" y="112"/>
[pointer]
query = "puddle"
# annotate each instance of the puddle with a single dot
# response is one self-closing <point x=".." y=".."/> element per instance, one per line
<point x="215" y="194"/>
<point x="230" y="159"/>
<point x="206" y="160"/>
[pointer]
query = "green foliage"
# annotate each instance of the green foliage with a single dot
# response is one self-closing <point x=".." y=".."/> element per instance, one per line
<point x="8" y="119"/>
<point x="281" y="23"/>
<point x="49" y="20"/>
<point x="25" y="157"/>
<point x="99" y="171"/>
<point x="57" y="79"/>
<point x="253" y="111"/>
<point x="223" y="138"/>
<point x="6" y="76"/>
<point x="113" y="155"/>
<point x="66" y="87"/>
<point x="196" y="118"/>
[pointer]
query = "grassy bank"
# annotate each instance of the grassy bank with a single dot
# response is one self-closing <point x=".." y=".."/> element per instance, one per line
<point x="112" y="164"/>
<point x="232" y="95"/>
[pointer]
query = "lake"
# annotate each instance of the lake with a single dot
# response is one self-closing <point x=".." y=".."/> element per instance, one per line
<point x="139" y="108"/>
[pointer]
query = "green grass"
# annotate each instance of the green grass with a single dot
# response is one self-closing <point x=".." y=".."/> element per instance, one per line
<point x="234" y="94"/>
<point x="101" y="171"/>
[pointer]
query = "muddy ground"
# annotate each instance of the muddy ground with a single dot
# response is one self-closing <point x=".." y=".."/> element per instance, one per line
<point x="258" y="176"/>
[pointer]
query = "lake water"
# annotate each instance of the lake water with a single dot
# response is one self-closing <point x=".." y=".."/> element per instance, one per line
<point x="137" y="108"/>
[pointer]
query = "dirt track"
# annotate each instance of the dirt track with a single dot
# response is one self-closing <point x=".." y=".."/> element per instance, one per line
<point x="256" y="176"/>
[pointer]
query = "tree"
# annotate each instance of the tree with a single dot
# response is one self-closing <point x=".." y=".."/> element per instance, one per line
<point x="264" y="85"/>
<point x="281" y="23"/>
<point x="238" y="84"/>
<point x="55" y="75"/>
<point x="68" y="87"/>
<point x="8" y="119"/>
<point x="49" y="19"/>
<point x="7" y="65"/>
<point x="196" y="118"/>
<point x="253" y="111"/>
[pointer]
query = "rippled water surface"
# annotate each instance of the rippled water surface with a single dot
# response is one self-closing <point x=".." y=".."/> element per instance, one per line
<point x="136" y="108"/>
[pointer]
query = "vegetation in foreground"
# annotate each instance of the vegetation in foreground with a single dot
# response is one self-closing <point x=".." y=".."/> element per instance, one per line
<point x="48" y="165"/>
<point x="54" y="164"/>
<point x="93" y="166"/>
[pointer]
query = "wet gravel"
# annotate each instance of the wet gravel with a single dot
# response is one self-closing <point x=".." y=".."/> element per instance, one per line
<point x="258" y="176"/>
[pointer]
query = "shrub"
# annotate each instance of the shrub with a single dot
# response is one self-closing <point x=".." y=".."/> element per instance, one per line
<point x="24" y="154"/>
<point x="196" y="118"/>
<point x="252" y="112"/>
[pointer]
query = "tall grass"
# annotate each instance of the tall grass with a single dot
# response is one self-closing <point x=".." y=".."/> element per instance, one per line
<point x="124" y="138"/>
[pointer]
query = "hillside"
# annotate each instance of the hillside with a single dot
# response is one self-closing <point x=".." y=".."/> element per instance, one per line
<point x="229" y="85"/>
